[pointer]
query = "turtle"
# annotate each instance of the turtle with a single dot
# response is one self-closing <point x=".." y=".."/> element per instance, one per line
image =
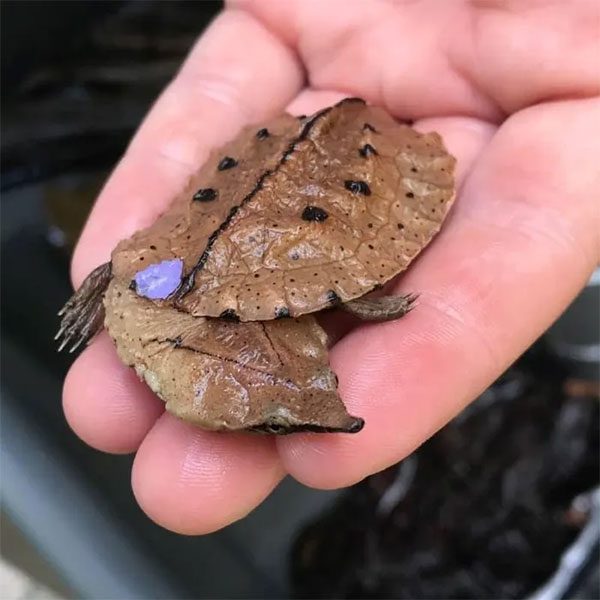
<point x="214" y="304"/>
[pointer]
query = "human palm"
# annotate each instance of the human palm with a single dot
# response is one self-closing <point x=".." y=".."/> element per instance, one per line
<point x="513" y="89"/>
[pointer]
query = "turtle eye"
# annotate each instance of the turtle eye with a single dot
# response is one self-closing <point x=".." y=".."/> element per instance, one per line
<point x="275" y="428"/>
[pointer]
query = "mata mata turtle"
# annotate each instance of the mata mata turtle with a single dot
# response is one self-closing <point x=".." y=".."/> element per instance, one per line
<point x="210" y="305"/>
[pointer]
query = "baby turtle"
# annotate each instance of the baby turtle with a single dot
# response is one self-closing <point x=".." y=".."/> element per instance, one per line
<point x="209" y="304"/>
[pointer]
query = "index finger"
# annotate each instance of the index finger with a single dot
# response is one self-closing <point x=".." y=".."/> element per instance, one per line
<point x="220" y="88"/>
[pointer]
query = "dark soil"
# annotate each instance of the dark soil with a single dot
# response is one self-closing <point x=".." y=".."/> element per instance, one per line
<point x="482" y="510"/>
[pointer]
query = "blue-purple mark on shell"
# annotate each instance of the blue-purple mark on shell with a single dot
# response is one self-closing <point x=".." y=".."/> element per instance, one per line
<point x="160" y="280"/>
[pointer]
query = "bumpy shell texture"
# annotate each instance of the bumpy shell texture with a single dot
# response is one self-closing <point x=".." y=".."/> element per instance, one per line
<point x="301" y="215"/>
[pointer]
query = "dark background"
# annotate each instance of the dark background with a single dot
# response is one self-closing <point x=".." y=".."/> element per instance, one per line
<point x="77" y="78"/>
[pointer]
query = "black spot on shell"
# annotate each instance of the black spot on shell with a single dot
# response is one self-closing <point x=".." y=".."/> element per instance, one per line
<point x="357" y="187"/>
<point x="282" y="312"/>
<point x="177" y="342"/>
<point x="410" y="195"/>
<point x="314" y="213"/>
<point x="369" y="127"/>
<point x="133" y="285"/>
<point x="367" y="150"/>
<point x="227" y="162"/>
<point x="205" y="195"/>
<point x="263" y="133"/>
<point x="152" y="247"/>
<point x="229" y="315"/>
<point x="333" y="298"/>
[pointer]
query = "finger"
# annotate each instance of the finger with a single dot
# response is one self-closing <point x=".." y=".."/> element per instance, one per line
<point x="193" y="482"/>
<point x="187" y="480"/>
<point x="221" y="87"/>
<point x="310" y="100"/>
<point x="425" y="58"/>
<point x="522" y="240"/>
<point x="105" y="403"/>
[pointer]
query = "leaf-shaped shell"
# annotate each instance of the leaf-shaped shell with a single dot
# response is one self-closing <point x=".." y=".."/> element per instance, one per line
<point x="300" y="214"/>
<point x="185" y="230"/>
<point x="271" y="377"/>
<point x="217" y="374"/>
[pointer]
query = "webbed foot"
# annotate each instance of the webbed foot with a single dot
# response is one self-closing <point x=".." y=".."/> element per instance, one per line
<point x="386" y="308"/>
<point x="83" y="315"/>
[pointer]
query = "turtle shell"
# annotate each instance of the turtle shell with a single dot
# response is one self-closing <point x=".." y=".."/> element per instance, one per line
<point x="269" y="377"/>
<point x="187" y="228"/>
<point x="219" y="374"/>
<point x="297" y="215"/>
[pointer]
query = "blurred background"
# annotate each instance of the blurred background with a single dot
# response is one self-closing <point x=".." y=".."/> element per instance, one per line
<point x="502" y="503"/>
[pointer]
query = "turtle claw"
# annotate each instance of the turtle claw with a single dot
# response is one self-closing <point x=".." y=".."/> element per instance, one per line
<point x="83" y="314"/>
<point x="386" y="308"/>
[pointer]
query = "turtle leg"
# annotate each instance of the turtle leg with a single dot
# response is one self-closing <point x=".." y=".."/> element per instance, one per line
<point x="83" y="315"/>
<point x="386" y="308"/>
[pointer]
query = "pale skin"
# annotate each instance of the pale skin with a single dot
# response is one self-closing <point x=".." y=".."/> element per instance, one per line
<point x="513" y="89"/>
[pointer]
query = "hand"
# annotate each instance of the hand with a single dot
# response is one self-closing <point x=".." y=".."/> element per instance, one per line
<point x="510" y="86"/>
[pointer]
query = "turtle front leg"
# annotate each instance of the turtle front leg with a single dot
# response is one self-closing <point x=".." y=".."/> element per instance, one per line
<point x="386" y="308"/>
<point x="83" y="315"/>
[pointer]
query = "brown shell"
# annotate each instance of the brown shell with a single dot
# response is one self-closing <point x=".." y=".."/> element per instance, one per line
<point x="314" y="212"/>
<point x="186" y="228"/>
<point x="271" y="377"/>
